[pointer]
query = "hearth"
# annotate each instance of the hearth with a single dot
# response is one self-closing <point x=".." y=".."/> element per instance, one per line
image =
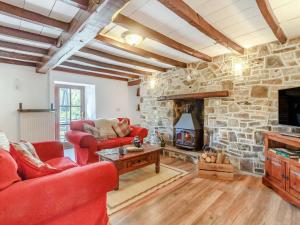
<point x="189" y="132"/>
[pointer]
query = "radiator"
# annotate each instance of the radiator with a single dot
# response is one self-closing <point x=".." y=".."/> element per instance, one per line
<point x="37" y="126"/>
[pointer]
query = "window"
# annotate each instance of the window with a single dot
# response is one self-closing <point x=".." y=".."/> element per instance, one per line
<point x="69" y="101"/>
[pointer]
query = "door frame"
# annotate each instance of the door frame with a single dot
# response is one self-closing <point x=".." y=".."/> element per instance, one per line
<point x="57" y="104"/>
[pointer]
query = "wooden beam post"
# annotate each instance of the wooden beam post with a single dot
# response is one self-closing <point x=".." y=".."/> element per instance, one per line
<point x="25" y="48"/>
<point x="138" y="51"/>
<point x="184" y="11"/>
<point x="84" y="27"/>
<point x="14" y="55"/>
<point x="154" y="35"/>
<point x="266" y="11"/>
<point x="134" y="82"/>
<point x="82" y="4"/>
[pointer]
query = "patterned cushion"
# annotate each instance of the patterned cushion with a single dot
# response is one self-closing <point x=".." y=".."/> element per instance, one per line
<point x="92" y="130"/>
<point x="105" y="127"/>
<point x="122" y="128"/>
<point x="4" y="143"/>
<point x="30" y="165"/>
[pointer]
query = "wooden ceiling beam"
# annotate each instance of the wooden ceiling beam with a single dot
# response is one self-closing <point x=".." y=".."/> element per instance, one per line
<point x="27" y="35"/>
<point x="25" y="48"/>
<point x="134" y="82"/>
<point x="14" y="55"/>
<point x="33" y="17"/>
<point x="109" y="66"/>
<point x="17" y="62"/>
<point x="121" y="59"/>
<point x="82" y="4"/>
<point x="184" y="11"/>
<point x="84" y="27"/>
<point x="138" y="51"/>
<point x="267" y="12"/>
<point x="154" y="35"/>
<point x="99" y="70"/>
<point x="80" y="72"/>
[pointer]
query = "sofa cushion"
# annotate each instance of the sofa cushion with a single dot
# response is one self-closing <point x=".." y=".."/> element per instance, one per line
<point x="62" y="163"/>
<point x="92" y="130"/>
<point x="8" y="174"/>
<point x="105" y="127"/>
<point x="4" y="143"/>
<point x="126" y="140"/>
<point x="30" y="166"/>
<point x="109" y="143"/>
<point x="122" y="129"/>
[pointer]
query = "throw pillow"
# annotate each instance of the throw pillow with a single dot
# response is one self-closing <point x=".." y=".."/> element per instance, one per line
<point x="9" y="168"/>
<point x="122" y="128"/>
<point x="4" y="143"/>
<point x="105" y="127"/>
<point x="30" y="165"/>
<point x="91" y="130"/>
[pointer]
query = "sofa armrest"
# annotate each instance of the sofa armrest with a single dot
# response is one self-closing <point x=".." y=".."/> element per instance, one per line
<point x="138" y="131"/>
<point x="49" y="149"/>
<point x="37" y="200"/>
<point x="82" y="139"/>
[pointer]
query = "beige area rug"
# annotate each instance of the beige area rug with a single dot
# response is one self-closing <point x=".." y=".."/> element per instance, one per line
<point x="140" y="183"/>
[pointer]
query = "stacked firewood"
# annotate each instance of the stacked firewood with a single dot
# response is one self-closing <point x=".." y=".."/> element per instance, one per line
<point x="214" y="157"/>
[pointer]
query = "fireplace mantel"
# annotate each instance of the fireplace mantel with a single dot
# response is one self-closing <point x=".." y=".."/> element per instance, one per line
<point x="193" y="96"/>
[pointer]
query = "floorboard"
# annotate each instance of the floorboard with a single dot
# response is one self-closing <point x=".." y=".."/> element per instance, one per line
<point x="197" y="201"/>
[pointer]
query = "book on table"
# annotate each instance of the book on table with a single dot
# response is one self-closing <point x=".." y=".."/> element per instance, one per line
<point x="292" y="154"/>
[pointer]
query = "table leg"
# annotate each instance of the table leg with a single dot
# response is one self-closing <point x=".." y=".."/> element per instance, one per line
<point x="157" y="164"/>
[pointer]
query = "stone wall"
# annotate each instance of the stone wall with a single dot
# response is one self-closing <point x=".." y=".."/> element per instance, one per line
<point x="234" y="123"/>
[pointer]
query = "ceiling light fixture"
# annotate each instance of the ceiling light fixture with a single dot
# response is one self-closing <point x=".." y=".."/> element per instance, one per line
<point x="132" y="38"/>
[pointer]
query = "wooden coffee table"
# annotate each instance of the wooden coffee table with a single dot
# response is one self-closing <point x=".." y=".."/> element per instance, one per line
<point x="132" y="161"/>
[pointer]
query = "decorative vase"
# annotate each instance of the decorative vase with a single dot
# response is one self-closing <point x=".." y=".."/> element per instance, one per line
<point x="162" y="143"/>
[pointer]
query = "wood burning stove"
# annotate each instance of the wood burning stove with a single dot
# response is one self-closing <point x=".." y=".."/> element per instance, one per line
<point x="189" y="132"/>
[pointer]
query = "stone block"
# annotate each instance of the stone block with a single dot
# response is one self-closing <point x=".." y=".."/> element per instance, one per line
<point x="227" y="85"/>
<point x="274" y="61"/>
<point x="259" y="91"/>
<point x="259" y="139"/>
<point x="232" y="137"/>
<point x="246" y="165"/>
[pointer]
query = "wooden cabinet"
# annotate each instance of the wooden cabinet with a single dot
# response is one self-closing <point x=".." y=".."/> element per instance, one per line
<point x="282" y="174"/>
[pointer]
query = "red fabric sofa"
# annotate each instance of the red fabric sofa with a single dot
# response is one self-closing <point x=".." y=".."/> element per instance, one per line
<point x="75" y="196"/>
<point x="86" y="145"/>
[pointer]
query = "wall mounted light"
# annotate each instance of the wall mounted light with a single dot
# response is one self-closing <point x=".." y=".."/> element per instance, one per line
<point x="238" y="67"/>
<point x="152" y="83"/>
<point x="132" y="38"/>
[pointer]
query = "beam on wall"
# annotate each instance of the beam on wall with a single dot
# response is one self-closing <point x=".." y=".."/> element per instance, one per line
<point x="109" y="66"/>
<point x="154" y="35"/>
<point x="138" y="51"/>
<point x="84" y="27"/>
<point x="134" y="82"/>
<point x="14" y="55"/>
<point x="80" y="72"/>
<point x="121" y="59"/>
<point x="27" y="35"/>
<point x="267" y="12"/>
<point x="33" y="17"/>
<point x="184" y="11"/>
<point x="99" y="70"/>
<point x="17" y="62"/>
<point x="25" y="48"/>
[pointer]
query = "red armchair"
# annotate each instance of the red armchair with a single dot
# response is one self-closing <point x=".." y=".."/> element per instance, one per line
<point x="86" y="145"/>
<point x="74" y="196"/>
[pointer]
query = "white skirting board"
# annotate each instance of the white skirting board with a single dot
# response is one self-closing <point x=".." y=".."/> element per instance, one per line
<point x="37" y="126"/>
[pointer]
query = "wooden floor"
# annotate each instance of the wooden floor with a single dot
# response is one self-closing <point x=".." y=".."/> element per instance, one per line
<point x="194" y="201"/>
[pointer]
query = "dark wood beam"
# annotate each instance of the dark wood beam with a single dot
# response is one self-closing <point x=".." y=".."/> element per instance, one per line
<point x="80" y="72"/>
<point x="84" y="27"/>
<point x="17" y="62"/>
<point x="109" y="66"/>
<point x="200" y="95"/>
<point x="20" y="56"/>
<point x="134" y="82"/>
<point x="138" y="51"/>
<point x="267" y="12"/>
<point x="154" y="35"/>
<point x="25" y="48"/>
<point x="27" y="35"/>
<point x="99" y="70"/>
<point x="33" y="17"/>
<point x="82" y="4"/>
<point x="184" y="11"/>
<point x="121" y="59"/>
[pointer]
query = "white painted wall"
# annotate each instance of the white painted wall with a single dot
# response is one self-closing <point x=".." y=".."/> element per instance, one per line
<point x="20" y="84"/>
<point x="134" y="100"/>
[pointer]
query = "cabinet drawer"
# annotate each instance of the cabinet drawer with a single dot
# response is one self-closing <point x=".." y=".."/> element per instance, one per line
<point x="294" y="181"/>
<point x="275" y="170"/>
